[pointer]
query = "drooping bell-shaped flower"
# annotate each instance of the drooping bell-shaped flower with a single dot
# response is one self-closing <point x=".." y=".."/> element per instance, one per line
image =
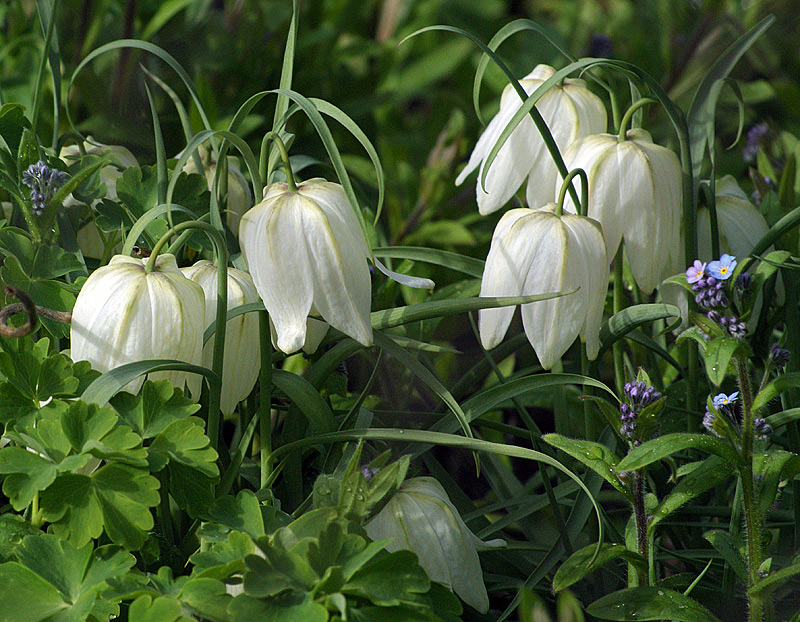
<point x="240" y="195"/>
<point x="570" y="110"/>
<point x="241" y="362"/>
<point x="536" y="251"/>
<point x="307" y="255"/>
<point x="125" y="314"/>
<point x="421" y="518"/>
<point x="739" y="223"/>
<point x="635" y="194"/>
<point x="88" y="238"/>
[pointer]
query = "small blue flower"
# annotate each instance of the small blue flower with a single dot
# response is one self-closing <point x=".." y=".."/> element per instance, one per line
<point x="696" y="271"/>
<point x="722" y="269"/>
<point x="721" y="399"/>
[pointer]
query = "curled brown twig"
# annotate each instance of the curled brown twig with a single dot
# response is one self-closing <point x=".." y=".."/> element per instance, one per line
<point x="26" y="306"/>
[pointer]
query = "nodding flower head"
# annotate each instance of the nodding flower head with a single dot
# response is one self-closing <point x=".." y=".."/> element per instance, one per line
<point x="44" y="182"/>
<point x="640" y="394"/>
<point x="734" y="326"/>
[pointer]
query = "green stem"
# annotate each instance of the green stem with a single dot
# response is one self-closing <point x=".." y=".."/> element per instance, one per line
<point x="619" y="305"/>
<point x="626" y="119"/>
<point x="640" y="516"/>
<point x="583" y="207"/>
<point x="287" y="166"/>
<point x="265" y="407"/>
<point x="164" y="513"/>
<point x="752" y="513"/>
<point x="36" y="515"/>
<point x="536" y="435"/>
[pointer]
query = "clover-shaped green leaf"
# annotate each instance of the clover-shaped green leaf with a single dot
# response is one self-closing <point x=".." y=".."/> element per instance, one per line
<point x="185" y="442"/>
<point x="33" y="375"/>
<point x="159" y="405"/>
<point x="116" y="497"/>
<point x="96" y="430"/>
<point x="54" y="580"/>
<point x="159" y="609"/>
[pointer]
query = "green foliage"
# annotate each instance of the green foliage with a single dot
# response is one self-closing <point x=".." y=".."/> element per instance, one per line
<point x="52" y="580"/>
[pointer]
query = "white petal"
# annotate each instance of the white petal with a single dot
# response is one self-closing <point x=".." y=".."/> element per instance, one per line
<point x="273" y="240"/>
<point x="305" y="250"/>
<point x="503" y="275"/>
<point x="123" y="315"/>
<point x="342" y="287"/>
<point x="512" y="164"/>
<point x="552" y="325"/>
<point x="241" y="361"/>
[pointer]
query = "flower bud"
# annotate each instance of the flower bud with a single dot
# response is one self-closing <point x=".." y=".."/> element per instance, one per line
<point x="124" y="314"/>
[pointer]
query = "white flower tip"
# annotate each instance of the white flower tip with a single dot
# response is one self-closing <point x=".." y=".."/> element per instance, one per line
<point x="291" y="339"/>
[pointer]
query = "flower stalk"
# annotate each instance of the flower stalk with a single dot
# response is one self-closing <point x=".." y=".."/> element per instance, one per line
<point x="583" y="208"/>
<point x="752" y="514"/>
<point x="264" y="413"/>
<point x="640" y="517"/>
<point x="626" y="119"/>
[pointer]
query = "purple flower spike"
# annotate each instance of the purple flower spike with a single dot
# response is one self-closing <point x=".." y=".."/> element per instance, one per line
<point x="723" y="268"/>
<point x="696" y="271"/>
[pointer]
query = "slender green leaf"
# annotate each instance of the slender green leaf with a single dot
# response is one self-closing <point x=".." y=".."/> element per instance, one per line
<point x="724" y="545"/>
<point x="650" y="603"/>
<point x="147" y="47"/>
<point x="664" y="446"/>
<point x="775" y="388"/>
<point x="385" y="342"/>
<point x="597" y="457"/>
<point x="706" y="475"/>
<point x="107" y="385"/>
<point x="578" y="565"/>
<point x="700" y="118"/>
<point x="447" y="259"/>
<point x="332" y="111"/>
<point x="775" y="580"/>
<point x="306" y="398"/>
<point x="623" y="322"/>
<point x="389" y="318"/>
